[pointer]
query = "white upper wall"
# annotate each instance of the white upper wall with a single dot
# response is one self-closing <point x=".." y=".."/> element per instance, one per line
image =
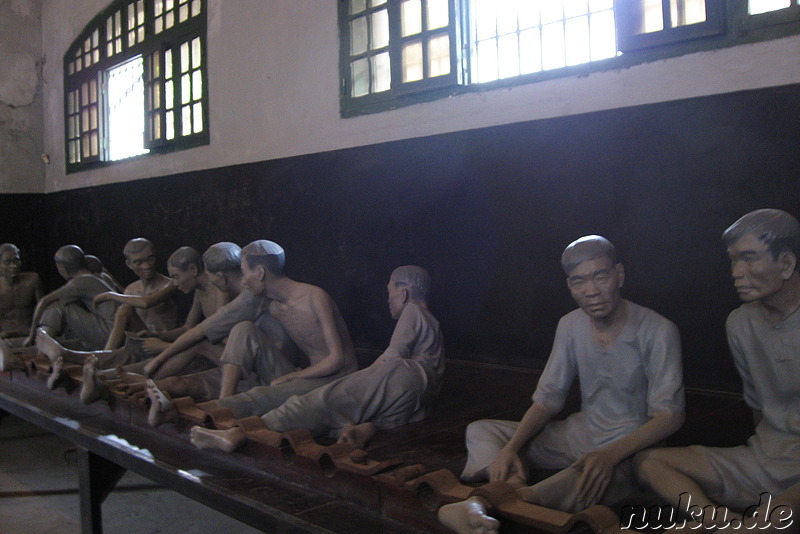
<point x="273" y="86"/>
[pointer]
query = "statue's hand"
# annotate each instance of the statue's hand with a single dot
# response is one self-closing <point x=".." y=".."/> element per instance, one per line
<point x="597" y="469"/>
<point x="507" y="465"/>
<point x="153" y="345"/>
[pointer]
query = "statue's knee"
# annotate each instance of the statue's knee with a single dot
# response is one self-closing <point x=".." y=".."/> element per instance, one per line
<point x="245" y="328"/>
<point x="643" y="462"/>
<point x="476" y="431"/>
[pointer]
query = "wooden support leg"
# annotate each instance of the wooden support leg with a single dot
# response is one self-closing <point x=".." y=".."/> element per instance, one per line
<point x="96" y="479"/>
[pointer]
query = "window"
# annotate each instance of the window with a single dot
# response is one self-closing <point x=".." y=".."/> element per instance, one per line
<point x="513" y="38"/>
<point x="647" y="23"/>
<point x="398" y="52"/>
<point x="756" y="7"/>
<point x="393" y="47"/>
<point x="135" y="82"/>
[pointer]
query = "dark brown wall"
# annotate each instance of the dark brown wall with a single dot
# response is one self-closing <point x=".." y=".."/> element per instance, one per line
<point x="488" y="211"/>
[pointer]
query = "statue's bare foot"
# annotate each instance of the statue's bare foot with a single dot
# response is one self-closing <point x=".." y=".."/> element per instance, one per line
<point x="161" y="408"/>
<point x="358" y="435"/>
<point x="468" y="517"/>
<point x="227" y="440"/>
<point x="56" y="374"/>
<point x="48" y="346"/>
<point x="90" y="391"/>
<point x="8" y="360"/>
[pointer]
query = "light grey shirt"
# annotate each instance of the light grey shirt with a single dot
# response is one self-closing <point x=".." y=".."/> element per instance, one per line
<point x="417" y="337"/>
<point x="767" y="357"/>
<point x="638" y="376"/>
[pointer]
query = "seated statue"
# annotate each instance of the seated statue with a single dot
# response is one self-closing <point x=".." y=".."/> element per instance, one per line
<point x="189" y="275"/>
<point x="301" y="316"/>
<point x="395" y="390"/>
<point x="69" y="310"/>
<point x="19" y="293"/>
<point x="764" y="338"/>
<point x="627" y="359"/>
<point x="149" y="302"/>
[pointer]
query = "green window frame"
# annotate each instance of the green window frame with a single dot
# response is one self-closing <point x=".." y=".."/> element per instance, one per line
<point x="686" y="26"/>
<point x="395" y="48"/>
<point x="170" y="37"/>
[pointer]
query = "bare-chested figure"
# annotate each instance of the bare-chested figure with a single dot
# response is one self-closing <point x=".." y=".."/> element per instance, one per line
<point x="395" y="390"/>
<point x="147" y="303"/>
<point x="19" y="293"/>
<point x="187" y="272"/>
<point x="221" y="274"/>
<point x="70" y="308"/>
<point x="309" y="317"/>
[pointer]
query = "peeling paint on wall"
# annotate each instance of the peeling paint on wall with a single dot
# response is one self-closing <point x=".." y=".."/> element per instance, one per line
<point x="21" y="81"/>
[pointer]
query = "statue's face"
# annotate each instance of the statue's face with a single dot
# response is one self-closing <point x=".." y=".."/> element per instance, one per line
<point x="219" y="281"/>
<point x="143" y="263"/>
<point x="595" y="285"/>
<point x="253" y="279"/>
<point x="10" y="264"/>
<point x="756" y="274"/>
<point x="397" y="299"/>
<point x="185" y="281"/>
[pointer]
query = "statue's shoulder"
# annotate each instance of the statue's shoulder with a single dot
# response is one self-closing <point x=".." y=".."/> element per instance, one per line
<point x="29" y="278"/>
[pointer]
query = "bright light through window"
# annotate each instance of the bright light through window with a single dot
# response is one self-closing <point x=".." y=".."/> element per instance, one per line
<point x="762" y="6"/>
<point x="125" y="90"/>
<point x="514" y="37"/>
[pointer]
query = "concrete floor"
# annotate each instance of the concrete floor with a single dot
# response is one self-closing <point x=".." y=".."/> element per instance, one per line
<point x="39" y="493"/>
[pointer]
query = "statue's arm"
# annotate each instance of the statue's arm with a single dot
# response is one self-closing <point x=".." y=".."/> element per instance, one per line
<point x="138" y="301"/>
<point x="186" y="340"/>
<point x="38" y="290"/>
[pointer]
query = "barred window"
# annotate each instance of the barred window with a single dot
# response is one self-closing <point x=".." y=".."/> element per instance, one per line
<point x="135" y="82"/>
<point x="399" y="52"/>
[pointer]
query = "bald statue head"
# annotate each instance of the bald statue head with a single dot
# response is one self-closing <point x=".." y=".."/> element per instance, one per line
<point x="184" y="258"/>
<point x="408" y="283"/>
<point x="223" y="256"/>
<point x="223" y="263"/>
<point x="267" y="254"/>
<point x="415" y="279"/>
<point x="93" y="263"/>
<point x="10" y="261"/>
<point x="594" y="277"/>
<point x="588" y="247"/>
<point x="70" y="259"/>
<point x="776" y="229"/>
<point x="135" y="246"/>
<point x="185" y="267"/>
<point x="8" y="247"/>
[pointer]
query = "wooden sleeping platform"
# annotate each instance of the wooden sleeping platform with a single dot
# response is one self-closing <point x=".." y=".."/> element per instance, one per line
<point x="292" y="483"/>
